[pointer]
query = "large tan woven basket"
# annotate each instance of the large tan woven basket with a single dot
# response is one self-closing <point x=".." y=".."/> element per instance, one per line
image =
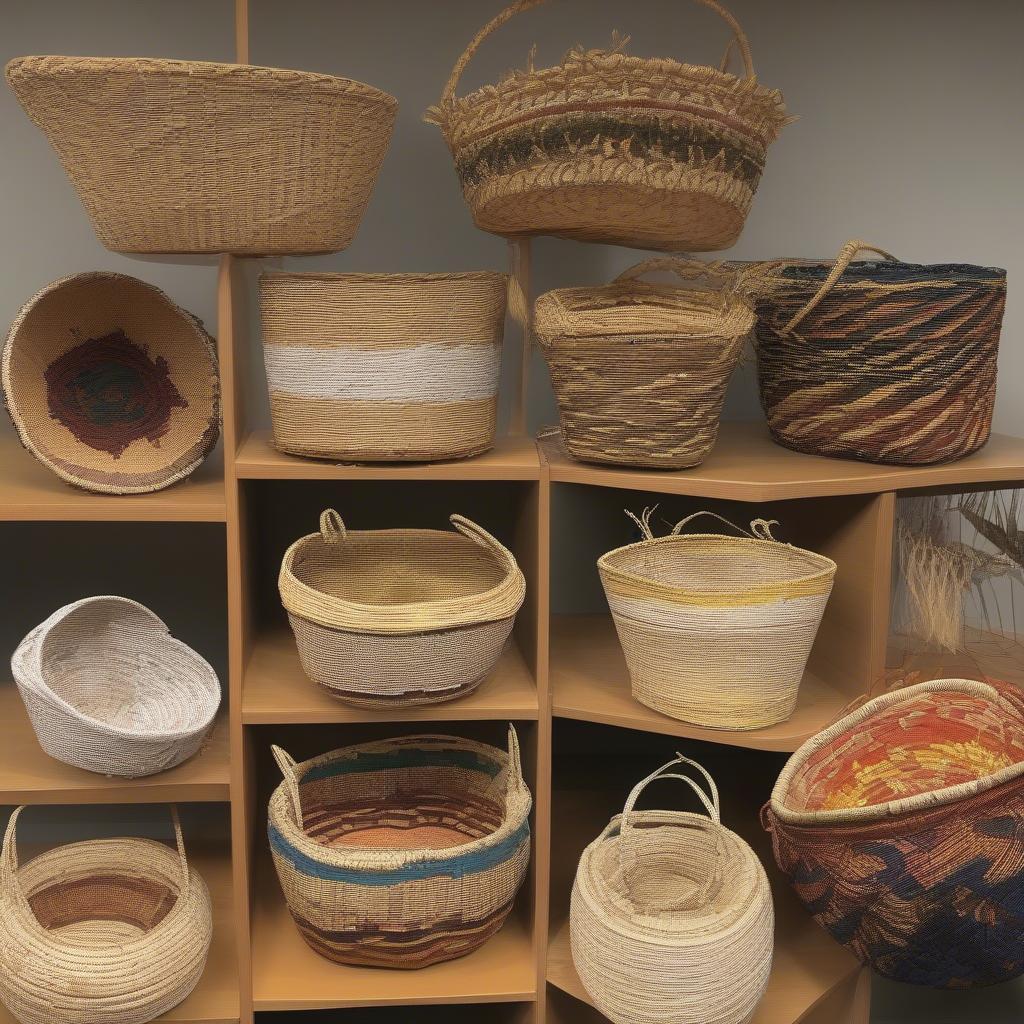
<point x="716" y="630"/>
<point x="109" y="931"/>
<point x="110" y="384"/>
<point x="385" y="367"/>
<point x="606" y="147"/>
<point x="640" y="370"/>
<point x="108" y="689"/>
<point x="404" y="852"/>
<point x="400" y="617"/>
<point x="190" y="156"/>
<point x="671" y="919"/>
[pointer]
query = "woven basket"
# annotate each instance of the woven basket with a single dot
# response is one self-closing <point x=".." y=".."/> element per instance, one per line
<point x="386" y="367"/>
<point x="640" y="370"/>
<point x="188" y="156"/>
<point x="716" y="630"/>
<point x="671" y="920"/>
<point x="882" y="361"/>
<point x="110" y="931"/>
<point x="900" y="827"/>
<point x="111" y="385"/>
<point x="108" y="689"/>
<point x="387" y="618"/>
<point x="610" y="148"/>
<point x="404" y="852"/>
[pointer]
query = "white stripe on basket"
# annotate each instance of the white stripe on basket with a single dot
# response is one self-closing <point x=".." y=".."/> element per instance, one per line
<point x="721" y="618"/>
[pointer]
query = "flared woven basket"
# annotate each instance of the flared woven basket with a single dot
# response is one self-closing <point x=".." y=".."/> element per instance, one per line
<point x="388" y="618"/>
<point x="671" y="920"/>
<point x="383" y="367"/>
<point x="640" y="370"/>
<point x="109" y="931"/>
<point x="900" y="828"/>
<point x="110" y="384"/>
<point x="189" y="156"/>
<point x="404" y="852"/>
<point x="108" y="689"/>
<point x="605" y="147"/>
<point x="716" y="630"/>
<point x="882" y="361"/>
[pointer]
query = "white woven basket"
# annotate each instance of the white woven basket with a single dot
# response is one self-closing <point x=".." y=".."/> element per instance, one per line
<point x="108" y="689"/>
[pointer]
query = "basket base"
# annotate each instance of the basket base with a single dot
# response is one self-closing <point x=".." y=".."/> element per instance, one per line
<point x="409" y="700"/>
<point x="733" y="725"/>
<point x="826" y="451"/>
<point x="355" y="457"/>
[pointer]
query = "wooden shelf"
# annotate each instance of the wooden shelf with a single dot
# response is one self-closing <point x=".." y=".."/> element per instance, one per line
<point x="590" y="682"/>
<point x="512" y="458"/>
<point x="277" y="691"/>
<point x="29" y="775"/>
<point x="31" y="492"/>
<point x="746" y="465"/>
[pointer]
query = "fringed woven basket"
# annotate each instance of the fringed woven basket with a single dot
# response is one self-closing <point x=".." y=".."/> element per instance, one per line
<point x="640" y="370"/>
<point x="716" y="630"/>
<point x="671" y="919"/>
<point x="109" y="931"/>
<point x="404" y="852"/>
<point x="189" y="156"/>
<point x="384" y="367"/>
<point x="386" y="618"/>
<point x="108" y="689"/>
<point x="879" y="360"/>
<point x="605" y="147"/>
<point x="900" y="827"/>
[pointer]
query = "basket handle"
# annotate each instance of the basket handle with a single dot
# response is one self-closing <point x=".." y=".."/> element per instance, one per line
<point x="332" y="527"/>
<point x="515" y="762"/>
<point x="739" y="37"/>
<point x="179" y="842"/>
<point x="760" y="529"/>
<point x="843" y="260"/>
<point x="684" y="267"/>
<point x="287" y="764"/>
<point x="477" y="534"/>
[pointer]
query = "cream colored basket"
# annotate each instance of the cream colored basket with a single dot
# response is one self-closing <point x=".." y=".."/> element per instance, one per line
<point x="109" y="931"/>
<point x="108" y="689"/>
<point x="716" y="630"/>
<point x="671" y="919"/>
<point x="400" y="617"/>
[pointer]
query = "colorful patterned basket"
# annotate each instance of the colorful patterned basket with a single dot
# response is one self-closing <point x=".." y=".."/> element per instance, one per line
<point x="404" y="852"/>
<point x="882" y="361"/>
<point x="900" y="827"/>
<point x="610" y="148"/>
<point x="640" y="370"/>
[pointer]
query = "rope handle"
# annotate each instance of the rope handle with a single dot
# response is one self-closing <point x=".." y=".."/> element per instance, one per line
<point x="760" y="529"/>
<point x="179" y="842"/>
<point x="708" y="799"/>
<point x="332" y="527"/>
<point x="288" y="764"/>
<point x="739" y="38"/>
<point x="843" y="260"/>
<point x="685" y="267"/>
<point x="515" y="762"/>
<point x="477" y="534"/>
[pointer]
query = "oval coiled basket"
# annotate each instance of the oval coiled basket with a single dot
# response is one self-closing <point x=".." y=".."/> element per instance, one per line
<point x="404" y="852"/>
<point x="108" y="689"/>
<point x="172" y="156"/>
<point x="899" y="827"/>
<point x="716" y="630"/>
<point x="108" y="931"/>
<point x="671" y="920"/>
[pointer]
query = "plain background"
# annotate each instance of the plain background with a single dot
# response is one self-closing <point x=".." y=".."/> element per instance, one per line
<point x="909" y="137"/>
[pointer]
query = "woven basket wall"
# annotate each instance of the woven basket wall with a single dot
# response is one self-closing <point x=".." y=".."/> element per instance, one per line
<point x="640" y="370"/>
<point x="883" y="361"/>
<point x="189" y="156"/>
<point x="900" y="825"/>
<point x="385" y="367"/>
<point x="716" y="630"/>
<point x="404" y="852"/>
<point x="605" y="147"/>
<point x="671" y="920"/>
<point x="386" y="618"/>
<point x="108" y="689"/>
<point x="110" y="931"/>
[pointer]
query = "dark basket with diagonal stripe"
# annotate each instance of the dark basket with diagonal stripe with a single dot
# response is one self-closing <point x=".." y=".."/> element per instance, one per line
<point x="881" y="360"/>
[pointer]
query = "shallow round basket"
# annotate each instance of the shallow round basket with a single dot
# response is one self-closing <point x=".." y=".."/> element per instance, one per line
<point x="386" y="618"/>
<point x="174" y="156"/>
<point x="108" y="689"/>
<point x="110" y="931"/>
<point x="404" y="852"/>
<point x="111" y="385"/>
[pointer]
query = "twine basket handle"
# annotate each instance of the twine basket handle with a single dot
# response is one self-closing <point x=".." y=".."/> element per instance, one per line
<point x="739" y="38"/>
<point x="760" y="529"/>
<point x="684" y="267"/>
<point x="843" y="260"/>
<point x="287" y="764"/>
<point x="332" y="527"/>
<point x="516" y="782"/>
<point x="477" y="534"/>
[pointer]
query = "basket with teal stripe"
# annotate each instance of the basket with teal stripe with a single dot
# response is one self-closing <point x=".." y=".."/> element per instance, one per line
<point x="403" y="852"/>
